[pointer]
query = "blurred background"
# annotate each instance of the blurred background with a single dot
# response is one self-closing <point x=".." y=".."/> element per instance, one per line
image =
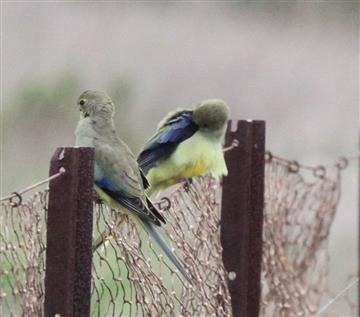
<point x="293" y="64"/>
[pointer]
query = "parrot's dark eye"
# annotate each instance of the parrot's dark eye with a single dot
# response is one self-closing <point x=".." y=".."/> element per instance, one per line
<point x="82" y="102"/>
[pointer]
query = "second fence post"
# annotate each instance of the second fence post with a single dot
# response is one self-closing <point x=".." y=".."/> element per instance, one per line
<point x="69" y="234"/>
<point x="242" y="216"/>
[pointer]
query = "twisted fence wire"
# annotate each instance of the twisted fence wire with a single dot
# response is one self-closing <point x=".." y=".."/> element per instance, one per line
<point x="130" y="277"/>
<point x="152" y="287"/>
<point x="300" y="206"/>
<point x="22" y="256"/>
<point x="22" y="251"/>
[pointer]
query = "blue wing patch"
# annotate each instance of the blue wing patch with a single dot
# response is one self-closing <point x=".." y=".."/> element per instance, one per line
<point x="175" y="130"/>
<point x="132" y="203"/>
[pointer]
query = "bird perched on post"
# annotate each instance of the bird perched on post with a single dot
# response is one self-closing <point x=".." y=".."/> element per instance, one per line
<point x="118" y="178"/>
<point x="187" y="143"/>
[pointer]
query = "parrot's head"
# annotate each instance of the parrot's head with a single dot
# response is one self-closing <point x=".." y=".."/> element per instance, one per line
<point x="95" y="103"/>
<point x="212" y="116"/>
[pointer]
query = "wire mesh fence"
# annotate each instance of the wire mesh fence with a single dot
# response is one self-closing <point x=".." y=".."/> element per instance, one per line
<point x="22" y="256"/>
<point x="300" y="205"/>
<point x="130" y="277"/>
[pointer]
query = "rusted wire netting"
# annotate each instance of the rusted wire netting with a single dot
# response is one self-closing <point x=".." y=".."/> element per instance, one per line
<point x="22" y="255"/>
<point x="130" y="277"/>
<point x="300" y="205"/>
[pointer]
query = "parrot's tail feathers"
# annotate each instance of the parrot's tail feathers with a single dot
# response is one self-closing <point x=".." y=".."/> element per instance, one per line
<point x="164" y="247"/>
<point x="154" y="210"/>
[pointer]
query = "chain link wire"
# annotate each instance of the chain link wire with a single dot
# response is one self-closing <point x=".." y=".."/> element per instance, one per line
<point x="300" y="205"/>
<point x="134" y="279"/>
<point x="22" y="256"/>
<point x="130" y="276"/>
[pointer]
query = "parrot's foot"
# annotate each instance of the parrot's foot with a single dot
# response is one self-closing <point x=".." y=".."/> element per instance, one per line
<point x="182" y="183"/>
<point x="187" y="182"/>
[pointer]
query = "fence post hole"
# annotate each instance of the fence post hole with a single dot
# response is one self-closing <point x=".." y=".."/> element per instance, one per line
<point x="242" y="216"/>
<point x="69" y="234"/>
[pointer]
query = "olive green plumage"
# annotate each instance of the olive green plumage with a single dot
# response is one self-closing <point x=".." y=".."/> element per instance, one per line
<point x="187" y="143"/>
<point x="118" y="178"/>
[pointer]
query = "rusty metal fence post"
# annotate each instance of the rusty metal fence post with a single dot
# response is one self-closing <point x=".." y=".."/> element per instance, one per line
<point x="69" y="234"/>
<point x="242" y="216"/>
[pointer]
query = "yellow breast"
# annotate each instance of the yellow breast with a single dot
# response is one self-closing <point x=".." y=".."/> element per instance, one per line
<point x="195" y="156"/>
<point x="196" y="168"/>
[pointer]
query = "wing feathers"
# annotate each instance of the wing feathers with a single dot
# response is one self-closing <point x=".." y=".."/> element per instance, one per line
<point x="121" y="179"/>
<point x="136" y="205"/>
<point x="171" y="132"/>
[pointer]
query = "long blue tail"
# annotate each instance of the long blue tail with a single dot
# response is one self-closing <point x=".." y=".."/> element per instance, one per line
<point x="151" y="229"/>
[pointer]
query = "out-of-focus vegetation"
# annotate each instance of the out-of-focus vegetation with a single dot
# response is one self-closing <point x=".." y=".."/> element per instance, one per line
<point x="42" y="115"/>
<point x="294" y="64"/>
